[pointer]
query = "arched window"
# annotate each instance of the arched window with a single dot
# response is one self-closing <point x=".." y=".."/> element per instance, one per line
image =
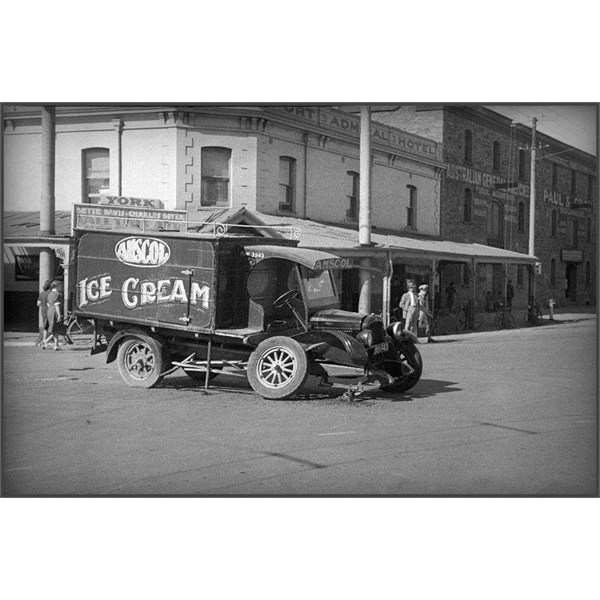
<point x="553" y="223"/>
<point x="468" y="146"/>
<point x="521" y="217"/>
<point x="468" y="206"/>
<point x="411" y="209"/>
<point x="96" y="174"/>
<point x="496" y="156"/>
<point x="287" y="183"/>
<point x="495" y="224"/>
<point x="572" y="233"/>
<point x="553" y="272"/>
<point x="215" y="167"/>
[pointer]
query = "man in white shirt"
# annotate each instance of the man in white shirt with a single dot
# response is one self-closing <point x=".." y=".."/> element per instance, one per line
<point x="409" y="306"/>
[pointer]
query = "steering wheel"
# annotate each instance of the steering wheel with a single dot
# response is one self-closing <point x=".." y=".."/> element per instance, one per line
<point x="286" y="298"/>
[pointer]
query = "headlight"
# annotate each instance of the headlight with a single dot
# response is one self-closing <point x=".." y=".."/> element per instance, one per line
<point x="395" y="330"/>
<point x="365" y="337"/>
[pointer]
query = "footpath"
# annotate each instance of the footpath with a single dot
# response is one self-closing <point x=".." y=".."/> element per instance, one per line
<point x="567" y="314"/>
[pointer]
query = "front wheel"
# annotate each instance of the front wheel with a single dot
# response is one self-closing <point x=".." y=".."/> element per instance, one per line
<point x="141" y="361"/>
<point x="407" y="367"/>
<point x="277" y="368"/>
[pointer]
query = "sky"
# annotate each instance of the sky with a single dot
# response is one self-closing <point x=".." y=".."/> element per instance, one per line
<point x="573" y="124"/>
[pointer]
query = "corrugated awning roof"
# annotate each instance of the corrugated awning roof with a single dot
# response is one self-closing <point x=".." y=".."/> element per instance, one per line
<point x="320" y="236"/>
<point x="334" y="237"/>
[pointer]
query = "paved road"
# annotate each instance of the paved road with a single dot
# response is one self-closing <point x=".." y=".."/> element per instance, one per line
<point x="504" y="412"/>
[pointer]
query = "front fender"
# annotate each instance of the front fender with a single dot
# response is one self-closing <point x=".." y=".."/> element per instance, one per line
<point x="334" y="346"/>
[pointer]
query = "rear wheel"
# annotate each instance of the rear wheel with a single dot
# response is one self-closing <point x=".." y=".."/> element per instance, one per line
<point x="408" y="367"/>
<point x="278" y="367"/>
<point x="461" y="321"/>
<point x="141" y="360"/>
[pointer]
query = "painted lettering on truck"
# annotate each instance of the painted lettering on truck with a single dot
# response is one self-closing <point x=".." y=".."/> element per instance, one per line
<point x="136" y="293"/>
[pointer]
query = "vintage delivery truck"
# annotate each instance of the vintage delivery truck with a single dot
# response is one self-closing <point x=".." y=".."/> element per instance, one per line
<point x="167" y="300"/>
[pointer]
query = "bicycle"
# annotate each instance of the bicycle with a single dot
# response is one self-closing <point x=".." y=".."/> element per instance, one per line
<point x="79" y="330"/>
<point x="467" y="317"/>
<point x="504" y="318"/>
<point x="534" y="314"/>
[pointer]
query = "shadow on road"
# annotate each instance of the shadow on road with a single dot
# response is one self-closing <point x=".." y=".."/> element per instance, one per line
<point x="231" y="384"/>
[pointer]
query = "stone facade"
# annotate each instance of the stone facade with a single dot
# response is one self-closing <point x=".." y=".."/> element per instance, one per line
<point x="497" y="215"/>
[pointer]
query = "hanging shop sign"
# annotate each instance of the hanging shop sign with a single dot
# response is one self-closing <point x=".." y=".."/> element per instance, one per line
<point x="130" y="202"/>
<point x="97" y="217"/>
<point x="571" y="255"/>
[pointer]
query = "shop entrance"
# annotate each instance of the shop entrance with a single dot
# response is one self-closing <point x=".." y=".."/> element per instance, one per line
<point x="571" y="281"/>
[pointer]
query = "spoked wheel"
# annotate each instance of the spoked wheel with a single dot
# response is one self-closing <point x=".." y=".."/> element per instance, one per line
<point x="81" y="331"/>
<point x="278" y="367"/>
<point x="408" y="359"/>
<point x="141" y="361"/>
<point x="461" y="321"/>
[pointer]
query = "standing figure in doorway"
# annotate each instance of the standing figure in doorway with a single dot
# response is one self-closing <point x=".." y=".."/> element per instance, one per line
<point x="510" y="294"/>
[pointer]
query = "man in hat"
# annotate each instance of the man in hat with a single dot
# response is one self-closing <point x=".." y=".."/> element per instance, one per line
<point x="410" y="307"/>
<point x="425" y="315"/>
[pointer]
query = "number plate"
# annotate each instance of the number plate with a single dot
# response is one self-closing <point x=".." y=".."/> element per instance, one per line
<point x="380" y="348"/>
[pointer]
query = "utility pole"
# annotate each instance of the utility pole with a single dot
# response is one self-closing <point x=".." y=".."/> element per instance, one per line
<point x="47" y="200"/>
<point x="532" y="194"/>
<point x="364" y="215"/>
<point x="532" y="214"/>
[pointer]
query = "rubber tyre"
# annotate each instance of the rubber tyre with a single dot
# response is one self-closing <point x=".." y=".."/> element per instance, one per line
<point x="277" y="368"/>
<point x="141" y="360"/>
<point x="407" y="352"/>
<point x="201" y="375"/>
<point x="461" y="321"/>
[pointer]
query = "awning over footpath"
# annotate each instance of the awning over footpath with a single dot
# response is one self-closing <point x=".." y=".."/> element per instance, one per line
<point x="344" y="241"/>
<point x="23" y="228"/>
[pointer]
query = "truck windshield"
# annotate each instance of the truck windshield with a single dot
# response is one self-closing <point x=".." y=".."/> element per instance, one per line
<point x="318" y="284"/>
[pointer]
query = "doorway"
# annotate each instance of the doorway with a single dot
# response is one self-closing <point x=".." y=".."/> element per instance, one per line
<point x="571" y="281"/>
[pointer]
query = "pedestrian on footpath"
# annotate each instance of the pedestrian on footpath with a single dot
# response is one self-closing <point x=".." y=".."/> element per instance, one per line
<point x="56" y="327"/>
<point x="425" y="315"/>
<point x="409" y="306"/>
<point x="42" y="303"/>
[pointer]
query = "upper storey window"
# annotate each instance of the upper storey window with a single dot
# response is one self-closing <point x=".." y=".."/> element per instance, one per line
<point x="96" y="174"/>
<point x="216" y="165"/>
